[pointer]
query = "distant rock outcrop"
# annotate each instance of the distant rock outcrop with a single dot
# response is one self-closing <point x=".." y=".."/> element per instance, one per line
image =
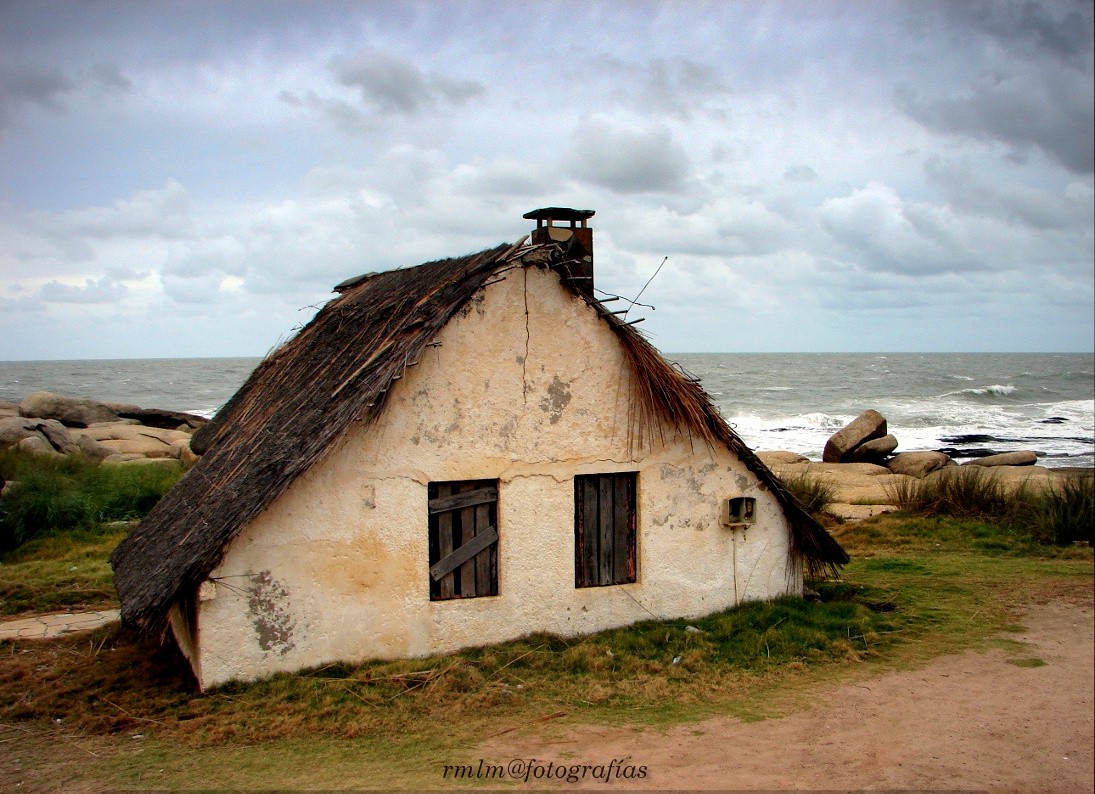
<point x="55" y="424"/>
<point x="918" y="464"/>
<point x="1020" y="458"/>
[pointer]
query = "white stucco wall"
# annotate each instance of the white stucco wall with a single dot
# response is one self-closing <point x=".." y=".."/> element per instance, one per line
<point x="337" y="568"/>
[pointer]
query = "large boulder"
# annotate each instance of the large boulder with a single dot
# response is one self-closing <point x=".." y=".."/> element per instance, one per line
<point x="71" y="411"/>
<point x="874" y="451"/>
<point x="867" y="426"/>
<point x="8" y="408"/>
<point x="918" y="464"/>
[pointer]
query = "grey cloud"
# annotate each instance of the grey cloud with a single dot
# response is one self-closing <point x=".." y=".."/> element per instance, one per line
<point x="396" y="85"/>
<point x="1061" y="29"/>
<point x="800" y="173"/>
<point x="1053" y="110"/>
<point x="679" y="86"/>
<point x="628" y="160"/>
<point x="105" y="290"/>
<point x="164" y="212"/>
<point x="21" y="85"/>
<point x="110" y="77"/>
<point x="967" y="190"/>
<point x="882" y="233"/>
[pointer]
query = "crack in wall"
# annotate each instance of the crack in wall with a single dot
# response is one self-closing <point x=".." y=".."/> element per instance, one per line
<point x="524" y="361"/>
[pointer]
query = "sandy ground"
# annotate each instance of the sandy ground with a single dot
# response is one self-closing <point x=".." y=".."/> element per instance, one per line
<point x="973" y="721"/>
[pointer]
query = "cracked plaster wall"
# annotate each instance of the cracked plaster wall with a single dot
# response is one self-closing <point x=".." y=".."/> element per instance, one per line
<point x="530" y="387"/>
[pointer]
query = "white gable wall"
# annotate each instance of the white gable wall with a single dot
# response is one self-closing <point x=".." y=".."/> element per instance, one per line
<point x="337" y="568"/>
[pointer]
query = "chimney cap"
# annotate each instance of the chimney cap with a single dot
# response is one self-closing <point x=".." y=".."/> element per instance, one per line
<point x="558" y="214"/>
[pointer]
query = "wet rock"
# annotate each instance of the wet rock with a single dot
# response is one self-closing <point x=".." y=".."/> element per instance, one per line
<point x="867" y="426"/>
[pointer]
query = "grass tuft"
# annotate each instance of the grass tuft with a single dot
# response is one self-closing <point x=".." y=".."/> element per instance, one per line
<point x="1060" y="514"/>
<point x="814" y="494"/>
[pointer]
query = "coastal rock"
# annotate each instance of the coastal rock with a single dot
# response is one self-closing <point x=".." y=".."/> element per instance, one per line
<point x="90" y="448"/>
<point x="71" y="411"/>
<point x="8" y="409"/>
<point x="1022" y="458"/>
<point x="181" y="450"/>
<point x="875" y="450"/>
<point x="58" y="436"/>
<point x="867" y="426"/>
<point x="14" y="429"/>
<point x="161" y="418"/>
<point x="121" y="457"/>
<point x="37" y="445"/>
<point x="166" y="463"/>
<point x="781" y="458"/>
<point x="918" y="464"/>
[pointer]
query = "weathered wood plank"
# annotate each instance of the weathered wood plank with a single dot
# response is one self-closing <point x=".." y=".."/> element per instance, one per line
<point x="605" y="526"/>
<point x="590" y="526"/>
<point x="444" y="532"/>
<point x="466" y="551"/>
<point x="464" y="499"/>
<point x="621" y="510"/>
<point x="483" y="567"/>
<point x="468" y="586"/>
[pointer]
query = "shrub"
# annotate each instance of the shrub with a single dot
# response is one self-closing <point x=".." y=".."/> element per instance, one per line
<point x="64" y="494"/>
<point x="812" y="493"/>
<point x="1064" y="513"/>
<point x="965" y="492"/>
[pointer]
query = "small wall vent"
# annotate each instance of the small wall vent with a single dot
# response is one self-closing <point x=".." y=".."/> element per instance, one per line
<point x="740" y="511"/>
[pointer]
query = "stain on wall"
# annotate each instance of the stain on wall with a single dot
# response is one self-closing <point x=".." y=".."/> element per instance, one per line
<point x="270" y="615"/>
<point x="557" y="399"/>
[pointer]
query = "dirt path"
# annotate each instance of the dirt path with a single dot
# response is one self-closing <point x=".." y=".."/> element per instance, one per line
<point x="970" y="721"/>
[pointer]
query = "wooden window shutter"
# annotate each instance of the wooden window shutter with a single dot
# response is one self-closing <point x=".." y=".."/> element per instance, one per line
<point x="604" y="529"/>
<point x="463" y="530"/>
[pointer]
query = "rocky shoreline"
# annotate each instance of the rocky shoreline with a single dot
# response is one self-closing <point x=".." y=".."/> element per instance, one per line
<point x="859" y="464"/>
<point x="50" y="424"/>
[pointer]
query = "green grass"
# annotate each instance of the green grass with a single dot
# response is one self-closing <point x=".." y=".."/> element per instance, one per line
<point x="60" y="572"/>
<point x="72" y="493"/>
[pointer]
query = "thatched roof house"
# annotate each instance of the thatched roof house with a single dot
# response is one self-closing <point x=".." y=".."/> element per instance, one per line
<point x="369" y="394"/>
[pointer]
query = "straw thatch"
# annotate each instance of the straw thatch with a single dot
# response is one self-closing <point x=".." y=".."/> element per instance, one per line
<point x="303" y="397"/>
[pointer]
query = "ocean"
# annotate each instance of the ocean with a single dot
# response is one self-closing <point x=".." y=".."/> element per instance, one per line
<point x="967" y="404"/>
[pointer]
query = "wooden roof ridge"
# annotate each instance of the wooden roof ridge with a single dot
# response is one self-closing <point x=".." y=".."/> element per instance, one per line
<point x="304" y="396"/>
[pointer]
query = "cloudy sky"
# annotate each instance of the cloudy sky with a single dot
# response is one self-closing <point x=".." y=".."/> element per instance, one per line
<point x="191" y="178"/>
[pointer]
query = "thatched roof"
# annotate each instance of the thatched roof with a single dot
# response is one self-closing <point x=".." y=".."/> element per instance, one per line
<point x="303" y="397"/>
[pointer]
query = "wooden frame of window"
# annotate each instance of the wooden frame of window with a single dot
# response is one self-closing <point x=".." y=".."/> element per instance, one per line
<point x="463" y="529"/>
<point x="605" y="521"/>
